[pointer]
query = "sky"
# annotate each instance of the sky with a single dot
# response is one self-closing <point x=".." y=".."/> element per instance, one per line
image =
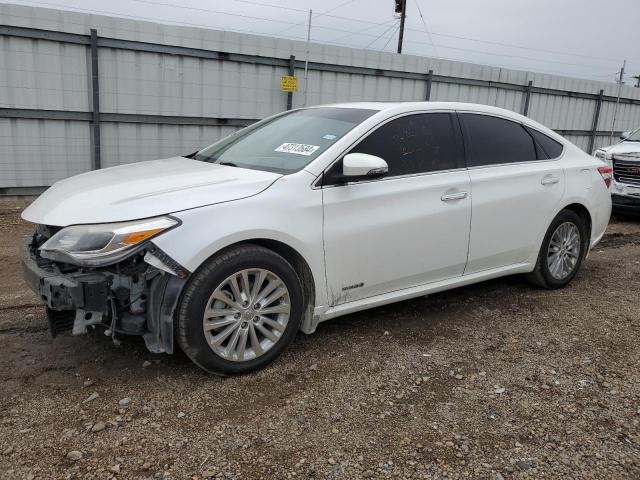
<point x="576" y="38"/>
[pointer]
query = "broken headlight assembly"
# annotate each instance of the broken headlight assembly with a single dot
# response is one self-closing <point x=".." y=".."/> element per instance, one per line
<point x="103" y="244"/>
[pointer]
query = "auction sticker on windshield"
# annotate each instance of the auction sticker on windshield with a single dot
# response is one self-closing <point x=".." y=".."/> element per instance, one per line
<point x="297" y="148"/>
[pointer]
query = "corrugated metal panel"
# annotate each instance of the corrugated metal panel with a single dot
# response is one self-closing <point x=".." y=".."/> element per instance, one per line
<point x="42" y="74"/>
<point x="128" y="142"/>
<point x="580" y="141"/>
<point x="41" y="152"/>
<point x="157" y="84"/>
<point x="627" y="117"/>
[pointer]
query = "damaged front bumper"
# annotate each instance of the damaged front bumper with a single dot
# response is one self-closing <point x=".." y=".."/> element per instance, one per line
<point x="137" y="296"/>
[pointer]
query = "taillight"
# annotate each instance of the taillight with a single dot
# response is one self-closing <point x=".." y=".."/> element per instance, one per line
<point x="607" y="174"/>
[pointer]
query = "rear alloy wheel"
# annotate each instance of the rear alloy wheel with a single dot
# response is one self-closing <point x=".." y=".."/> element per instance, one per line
<point x="240" y="310"/>
<point x="563" y="249"/>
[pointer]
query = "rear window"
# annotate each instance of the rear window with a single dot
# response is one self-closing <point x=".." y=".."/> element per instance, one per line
<point x="547" y="146"/>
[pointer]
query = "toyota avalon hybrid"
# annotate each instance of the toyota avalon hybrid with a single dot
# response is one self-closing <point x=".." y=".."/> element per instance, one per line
<point x="307" y="215"/>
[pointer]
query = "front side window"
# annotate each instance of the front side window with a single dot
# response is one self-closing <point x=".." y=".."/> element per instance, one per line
<point x="418" y="143"/>
<point x="496" y="141"/>
<point x="285" y="143"/>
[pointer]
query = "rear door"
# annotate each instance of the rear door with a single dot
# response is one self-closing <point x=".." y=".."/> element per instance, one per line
<point x="408" y="228"/>
<point x="515" y="187"/>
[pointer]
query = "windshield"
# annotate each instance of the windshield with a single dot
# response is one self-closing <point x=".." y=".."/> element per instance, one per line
<point x="634" y="137"/>
<point x="285" y="143"/>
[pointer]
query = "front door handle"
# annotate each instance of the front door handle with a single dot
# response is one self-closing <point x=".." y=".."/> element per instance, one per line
<point x="549" y="180"/>
<point x="453" y="196"/>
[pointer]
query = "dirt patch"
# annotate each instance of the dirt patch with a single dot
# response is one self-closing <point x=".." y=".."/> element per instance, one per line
<point x="488" y="381"/>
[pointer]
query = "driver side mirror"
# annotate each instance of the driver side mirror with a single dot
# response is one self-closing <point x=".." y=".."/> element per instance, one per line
<point x="624" y="135"/>
<point x="363" y="165"/>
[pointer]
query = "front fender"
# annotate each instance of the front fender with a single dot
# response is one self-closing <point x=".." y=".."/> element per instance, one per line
<point x="208" y="230"/>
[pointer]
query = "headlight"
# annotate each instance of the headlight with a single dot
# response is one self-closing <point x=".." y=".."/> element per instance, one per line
<point x="102" y="244"/>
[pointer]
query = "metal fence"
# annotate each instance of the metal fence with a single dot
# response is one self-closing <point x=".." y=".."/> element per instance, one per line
<point x="73" y="98"/>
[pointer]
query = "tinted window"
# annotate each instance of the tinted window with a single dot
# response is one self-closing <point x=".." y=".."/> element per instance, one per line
<point x="417" y="143"/>
<point x="494" y="140"/>
<point x="547" y="146"/>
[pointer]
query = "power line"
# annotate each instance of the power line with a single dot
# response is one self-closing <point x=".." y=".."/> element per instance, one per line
<point x="426" y="29"/>
<point x="393" y="25"/>
<point x="327" y="14"/>
<point x="321" y="14"/>
<point x="300" y="38"/>
<point x="393" y="34"/>
<point x="358" y="32"/>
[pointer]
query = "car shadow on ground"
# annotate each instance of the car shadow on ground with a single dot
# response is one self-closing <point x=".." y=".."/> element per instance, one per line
<point x="411" y="320"/>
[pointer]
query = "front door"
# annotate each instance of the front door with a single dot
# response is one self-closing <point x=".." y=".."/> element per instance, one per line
<point x="408" y="228"/>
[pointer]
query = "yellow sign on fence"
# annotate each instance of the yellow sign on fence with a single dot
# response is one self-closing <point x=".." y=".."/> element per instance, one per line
<point x="288" y="83"/>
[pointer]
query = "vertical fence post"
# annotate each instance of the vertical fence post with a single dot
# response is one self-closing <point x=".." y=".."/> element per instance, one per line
<point x="95" y="90"/>
<point x="427" y="94"/>
<point x="527" y="98"/>
<point x="594" y="126"/>
<point x="292" y="65"/>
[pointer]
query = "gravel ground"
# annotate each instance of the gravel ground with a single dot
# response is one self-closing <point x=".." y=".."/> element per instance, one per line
<point x="493" y="381"/>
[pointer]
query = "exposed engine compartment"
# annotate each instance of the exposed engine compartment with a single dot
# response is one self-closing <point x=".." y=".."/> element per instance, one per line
<point x="125" y="298"/>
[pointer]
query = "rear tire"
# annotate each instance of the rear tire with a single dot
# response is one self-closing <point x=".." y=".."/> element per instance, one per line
<point x="226" y="324"/>
<point x="561" y="253"/>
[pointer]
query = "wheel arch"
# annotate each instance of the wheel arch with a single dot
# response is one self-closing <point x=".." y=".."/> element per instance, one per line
<point x="299" y="264"/>
<point x="583" y="212"/>
<point x="573" y="205"/>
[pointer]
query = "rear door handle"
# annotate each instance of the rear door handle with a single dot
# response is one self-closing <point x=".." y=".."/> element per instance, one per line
<point x="453" y="196"/>
<point x="549" y="180"/>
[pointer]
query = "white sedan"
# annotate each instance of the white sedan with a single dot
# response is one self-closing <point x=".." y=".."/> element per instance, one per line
<point x="308" y="215"/>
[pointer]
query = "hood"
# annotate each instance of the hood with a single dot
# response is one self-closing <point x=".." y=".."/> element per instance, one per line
<point x="144" y="189"/>
<point x="631" y="149"/>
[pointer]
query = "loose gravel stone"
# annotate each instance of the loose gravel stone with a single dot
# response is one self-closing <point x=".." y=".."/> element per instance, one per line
<point x="74" y="455"/>
<point x="91" y="397"/>
<point x="98" y="427"/>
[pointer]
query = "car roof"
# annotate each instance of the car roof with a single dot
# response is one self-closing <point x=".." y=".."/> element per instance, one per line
<point x="393" y="108"/>
<point x="408" y="106"/>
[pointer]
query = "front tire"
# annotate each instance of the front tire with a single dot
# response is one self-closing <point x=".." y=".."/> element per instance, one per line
<point x="562" y="252"/>
<point x="239" y="311"/>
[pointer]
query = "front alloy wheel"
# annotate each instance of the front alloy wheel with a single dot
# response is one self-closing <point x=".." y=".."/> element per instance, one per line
<point x="239" y="310"/>
<point x="247" y="314"/>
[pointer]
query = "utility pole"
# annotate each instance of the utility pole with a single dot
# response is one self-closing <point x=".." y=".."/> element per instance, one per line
<point x="306" y="60"/>
<point x="637" y="77"/>
<point x="401" y="8"/>
<point x="615" y="110"/>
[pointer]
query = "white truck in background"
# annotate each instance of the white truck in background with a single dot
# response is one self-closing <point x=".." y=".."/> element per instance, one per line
<point x="624" y="157"/>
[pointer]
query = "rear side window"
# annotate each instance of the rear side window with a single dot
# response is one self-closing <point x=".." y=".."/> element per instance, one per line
<point x="418" y="143"/>
<point x="547" y="146"/>
<point x="495" y="141"/>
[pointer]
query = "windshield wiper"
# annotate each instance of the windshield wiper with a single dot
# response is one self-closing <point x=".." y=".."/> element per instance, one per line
<point x="228" y="164"/>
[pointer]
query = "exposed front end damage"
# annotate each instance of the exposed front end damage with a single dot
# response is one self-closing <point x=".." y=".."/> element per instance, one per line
<point x="135" y="296"/>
